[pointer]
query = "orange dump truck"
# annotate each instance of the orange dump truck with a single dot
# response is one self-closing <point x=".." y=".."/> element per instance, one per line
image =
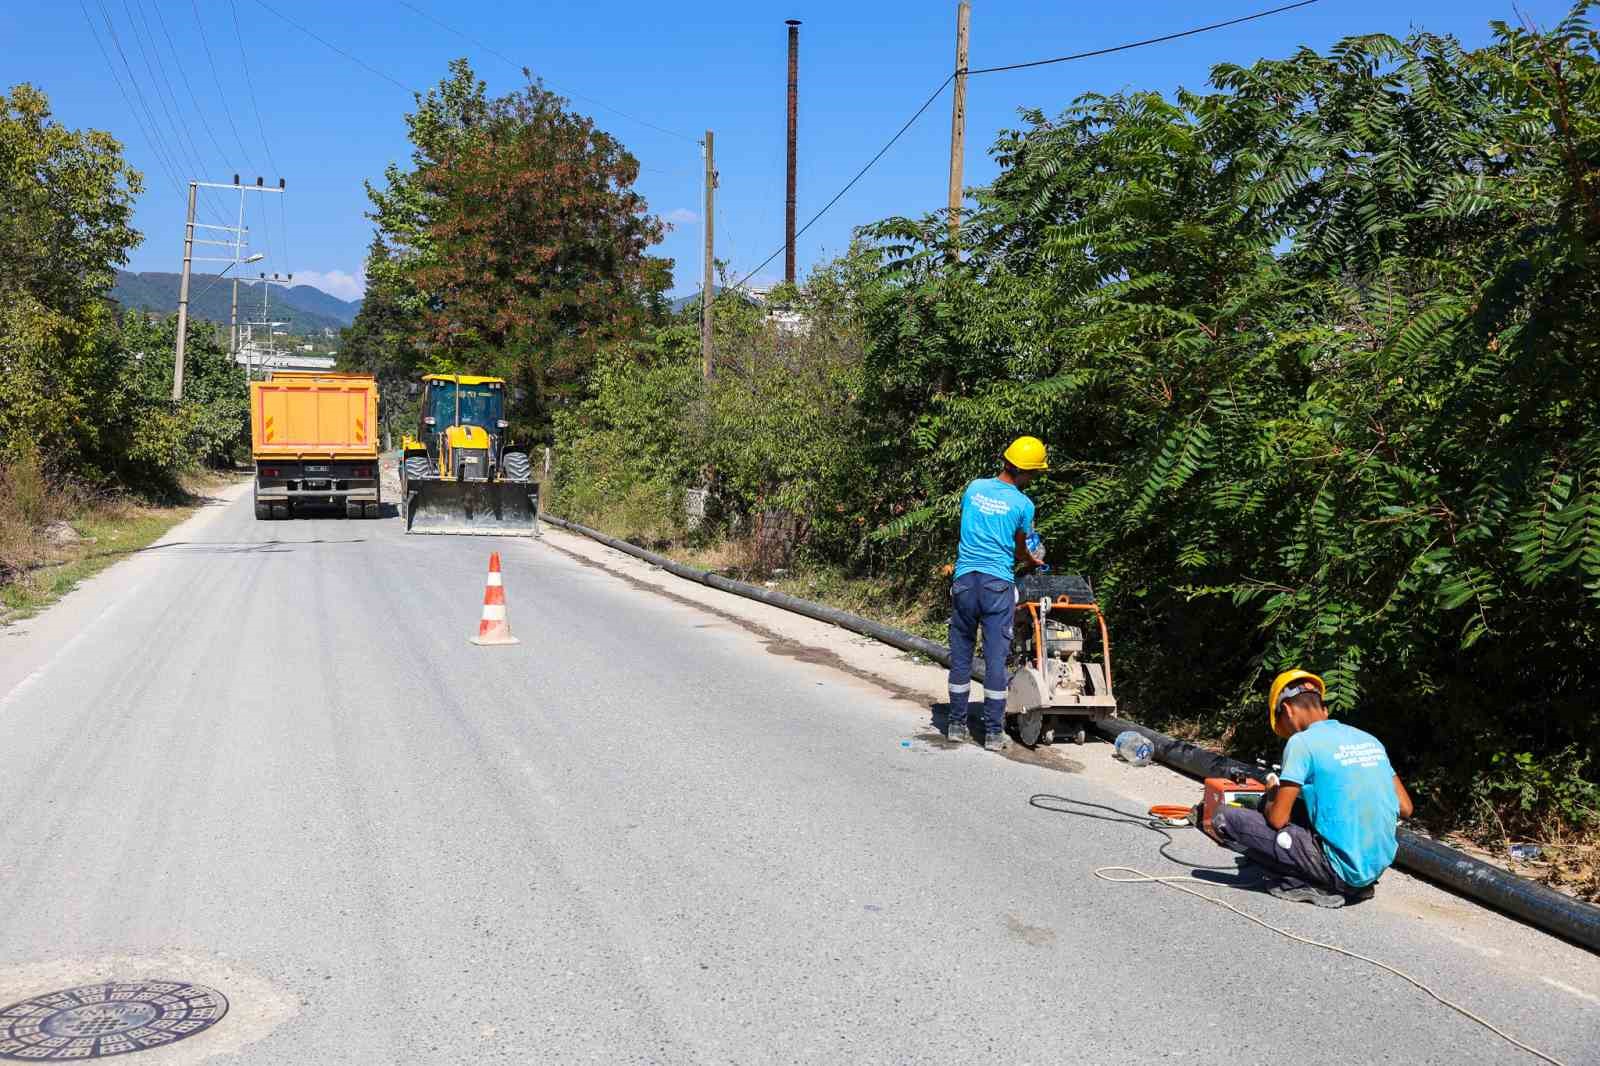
<point x="314" y="438"/>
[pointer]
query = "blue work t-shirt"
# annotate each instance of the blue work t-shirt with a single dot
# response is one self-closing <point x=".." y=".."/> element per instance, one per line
<point x="1348" y="785"/>
<point x="991" y="513"/>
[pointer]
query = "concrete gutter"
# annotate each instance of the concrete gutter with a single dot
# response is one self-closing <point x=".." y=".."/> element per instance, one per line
<point x="1542" y="907"/>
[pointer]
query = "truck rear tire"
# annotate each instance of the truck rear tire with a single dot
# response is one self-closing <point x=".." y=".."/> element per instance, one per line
<point x="352" y="509"/>
<point x="517" y="467"/>
<point x="263" y="511"/>
<point x="372" y="510"/>
<point x="280" y="510"/>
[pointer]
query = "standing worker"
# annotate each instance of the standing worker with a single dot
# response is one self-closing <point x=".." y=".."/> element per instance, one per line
<point x="996" y="520"/>
<point x="1352" y="795"/>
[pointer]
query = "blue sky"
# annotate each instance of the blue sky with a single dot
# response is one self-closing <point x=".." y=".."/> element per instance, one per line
<point x="327" y="123"/>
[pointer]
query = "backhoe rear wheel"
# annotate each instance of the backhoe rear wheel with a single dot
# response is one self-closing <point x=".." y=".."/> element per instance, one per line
<point x="517" y="467"/>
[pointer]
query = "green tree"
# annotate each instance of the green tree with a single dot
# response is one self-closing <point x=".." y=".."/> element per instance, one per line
<point x="66" y="201"/>
<point x="515" y="244"/>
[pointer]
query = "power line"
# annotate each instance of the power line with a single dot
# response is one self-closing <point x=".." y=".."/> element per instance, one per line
<point x="111" y="67"/>
<point x="217" y="80"/>
<point x="209" y="196"/>
<point x="244" y="62"/>
<point x="1013" y="66"/>
<point x="524" y="68"/>
<point x="1140" y="44"/>
<point x="184" y="74"/>
<point x="266" y="145"/>
<point x="368" y="67"/>
<point x="158" y="145"/>
<point x="189" y="160"/>
<point x="851" y="183"/>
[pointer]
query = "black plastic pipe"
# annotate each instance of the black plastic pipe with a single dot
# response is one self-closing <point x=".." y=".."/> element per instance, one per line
<point x="899" y="638"/>
<point x="1552" y="911"/>
<point x="1533" y="903"/>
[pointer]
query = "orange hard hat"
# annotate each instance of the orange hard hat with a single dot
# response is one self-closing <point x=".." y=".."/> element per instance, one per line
<point x="1283" y="681"/>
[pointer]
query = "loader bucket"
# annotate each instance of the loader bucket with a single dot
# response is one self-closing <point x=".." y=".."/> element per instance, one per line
<point x="473" y="508"/>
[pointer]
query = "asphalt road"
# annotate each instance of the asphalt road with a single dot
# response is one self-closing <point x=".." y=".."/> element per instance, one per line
<point x="266" y="755"/>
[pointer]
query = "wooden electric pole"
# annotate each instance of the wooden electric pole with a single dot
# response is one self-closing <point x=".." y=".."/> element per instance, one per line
<point x="958" y="126"/>
<point x="794" y="114"/>
<point x="706" y="296"/>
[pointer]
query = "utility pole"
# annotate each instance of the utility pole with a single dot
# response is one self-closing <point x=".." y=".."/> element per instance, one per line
<point x="183" y="297"/>
<point x="269" y="357"/>
<point x="233" y="327"/>
<point x="794" y="110"/>
<point x="189" y="258"/>
<point x="706" y="369"/>
<point x="958" y="127"/>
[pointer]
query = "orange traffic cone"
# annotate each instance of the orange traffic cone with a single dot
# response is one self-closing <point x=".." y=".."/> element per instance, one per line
<point x="494" y="628"/>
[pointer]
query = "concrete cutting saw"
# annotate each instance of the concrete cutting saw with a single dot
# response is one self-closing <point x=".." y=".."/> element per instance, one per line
<point x="1053" y="685"/>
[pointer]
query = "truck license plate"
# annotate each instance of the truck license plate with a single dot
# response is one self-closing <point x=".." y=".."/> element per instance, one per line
<point x="316" y="470"/>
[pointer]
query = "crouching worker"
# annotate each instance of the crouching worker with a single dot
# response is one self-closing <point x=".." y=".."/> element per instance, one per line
<point x="1333" y="847"/>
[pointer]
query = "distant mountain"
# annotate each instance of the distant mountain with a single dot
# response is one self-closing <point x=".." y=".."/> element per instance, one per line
<point x="683" y="303"/>
<point x="305" y="309"/>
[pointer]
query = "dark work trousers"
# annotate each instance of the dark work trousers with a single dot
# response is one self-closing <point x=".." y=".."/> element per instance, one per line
<point x="987" y="603"/>
<point x="1293" y="851"/>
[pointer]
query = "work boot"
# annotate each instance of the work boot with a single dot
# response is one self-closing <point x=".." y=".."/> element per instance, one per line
<point x="956" y="732"/>
<point x="1296" y="891"/>
<point x="996" y="740"/>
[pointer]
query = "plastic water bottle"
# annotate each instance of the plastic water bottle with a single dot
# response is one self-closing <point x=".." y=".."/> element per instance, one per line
<point x="1134" y="748"/>
<point x="1524" y="852"/>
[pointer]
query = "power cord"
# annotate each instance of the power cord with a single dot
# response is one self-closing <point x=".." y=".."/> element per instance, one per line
<point x="1158" y="821"/>
<point x="1133" y="876"/>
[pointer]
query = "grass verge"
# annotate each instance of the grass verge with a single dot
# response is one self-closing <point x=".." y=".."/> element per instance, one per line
<point x="42" y="566"/>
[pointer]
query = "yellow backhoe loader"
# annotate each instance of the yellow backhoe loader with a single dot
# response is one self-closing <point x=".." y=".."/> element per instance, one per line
<point x="457" y="475"/>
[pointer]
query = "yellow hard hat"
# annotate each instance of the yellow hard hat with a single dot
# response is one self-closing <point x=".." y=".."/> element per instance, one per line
<point x="1283" y="681"/>
<point x="1027" y="453"/>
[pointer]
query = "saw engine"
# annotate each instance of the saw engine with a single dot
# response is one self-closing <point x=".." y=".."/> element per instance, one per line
<point x="1053" y="682"/>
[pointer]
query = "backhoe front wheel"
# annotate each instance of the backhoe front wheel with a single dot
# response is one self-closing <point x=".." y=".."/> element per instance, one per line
<point x="419" y="466"/>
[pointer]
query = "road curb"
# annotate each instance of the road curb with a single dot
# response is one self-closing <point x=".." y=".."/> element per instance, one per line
<point x="1544" y="908"/>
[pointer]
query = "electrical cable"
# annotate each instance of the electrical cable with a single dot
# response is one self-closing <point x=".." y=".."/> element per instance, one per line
<point x="217" y="80"/>
<point x="194" y="99"/>
<point x="369" y="68"/>
<point x="1043" y="801"/>
<point x="1017" y="66"/>
<point x="851" y="183"/>
<point x="1128" y="875"/>
<point x="255" y="106"/>
<point x="153" y="131"/>
<point x="524" y="67"/>
<point x="181" y="140"/>
<point x="110" y="67"/>
<point x="244" y="63"/>
<point x="1141" y="44"/>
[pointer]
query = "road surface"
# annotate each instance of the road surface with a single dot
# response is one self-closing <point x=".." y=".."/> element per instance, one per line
<point x="264" y="757"/>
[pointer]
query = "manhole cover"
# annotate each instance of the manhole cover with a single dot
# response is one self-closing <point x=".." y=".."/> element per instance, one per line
<point x="95" y="1021"/>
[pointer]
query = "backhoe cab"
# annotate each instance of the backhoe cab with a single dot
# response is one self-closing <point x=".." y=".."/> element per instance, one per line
<point x="457" y="474"/>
